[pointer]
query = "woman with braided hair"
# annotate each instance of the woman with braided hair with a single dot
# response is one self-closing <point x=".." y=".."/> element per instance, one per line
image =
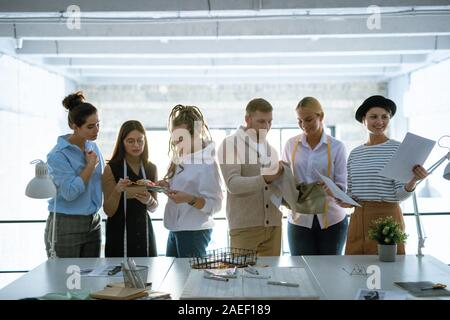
<point x="194" y="184"/>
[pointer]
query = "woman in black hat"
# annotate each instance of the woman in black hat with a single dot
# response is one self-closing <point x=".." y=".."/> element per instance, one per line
<point x="378" y="195"/>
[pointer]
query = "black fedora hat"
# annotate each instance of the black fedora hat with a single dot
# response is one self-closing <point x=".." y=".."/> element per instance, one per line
<point x="375" y="101"/>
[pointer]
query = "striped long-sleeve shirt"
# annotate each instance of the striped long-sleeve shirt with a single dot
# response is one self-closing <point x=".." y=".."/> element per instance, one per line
<point x="364" y="182"/>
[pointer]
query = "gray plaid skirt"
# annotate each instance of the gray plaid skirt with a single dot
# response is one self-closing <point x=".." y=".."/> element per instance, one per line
<point x="76" y="236"/>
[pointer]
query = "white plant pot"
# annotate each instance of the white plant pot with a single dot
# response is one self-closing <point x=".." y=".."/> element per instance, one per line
<point x="387" y="252"/>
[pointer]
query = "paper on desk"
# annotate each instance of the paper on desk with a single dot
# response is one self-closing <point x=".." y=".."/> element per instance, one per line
<point x="413" y="150"/>
<point x="336" y="191"/>
<point x="243" y="287"/>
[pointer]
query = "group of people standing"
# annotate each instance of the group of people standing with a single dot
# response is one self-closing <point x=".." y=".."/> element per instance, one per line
<point x="193" y="184"/>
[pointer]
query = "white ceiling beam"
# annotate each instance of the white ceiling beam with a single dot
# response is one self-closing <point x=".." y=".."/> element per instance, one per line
<point x="324" y="27"/>
<point x="42" y="6"/>
<point x="330" y="61"/>
<point x="249" y="29"/>
<point x="221" y="41"/>
<point x="294" y="72"/>
<point x="215" y="80"/>
<point x="310" y="4"/>
<point x="236" y="48"/>
<point x="202" y="5"/>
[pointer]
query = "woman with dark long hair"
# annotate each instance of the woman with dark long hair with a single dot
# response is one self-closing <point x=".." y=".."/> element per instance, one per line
<point x="129" y="230"/>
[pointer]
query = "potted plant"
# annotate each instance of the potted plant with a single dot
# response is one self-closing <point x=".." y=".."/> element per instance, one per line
<point x="388" y="233"/>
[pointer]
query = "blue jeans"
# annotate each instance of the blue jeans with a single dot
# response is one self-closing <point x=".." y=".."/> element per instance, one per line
<point x="185" y="244"/>
<point x="316" y="241"/>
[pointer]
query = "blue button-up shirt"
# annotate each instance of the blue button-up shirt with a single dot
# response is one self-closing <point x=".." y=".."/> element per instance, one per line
<point x="66" y="161"/>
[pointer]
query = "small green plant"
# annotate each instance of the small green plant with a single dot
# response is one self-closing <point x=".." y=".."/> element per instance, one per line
<point x="387" y="231"/>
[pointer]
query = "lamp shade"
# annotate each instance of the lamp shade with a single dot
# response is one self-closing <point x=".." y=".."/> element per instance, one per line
<point x="428" y="191"/>
<point x="41" y="186"/>
<point x="447" y="171"/>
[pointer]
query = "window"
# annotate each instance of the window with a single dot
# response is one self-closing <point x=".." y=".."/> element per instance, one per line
<point x="158" y="146"/>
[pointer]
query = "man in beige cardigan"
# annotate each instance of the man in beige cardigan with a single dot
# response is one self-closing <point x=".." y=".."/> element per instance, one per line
<point x="249" y="165"/>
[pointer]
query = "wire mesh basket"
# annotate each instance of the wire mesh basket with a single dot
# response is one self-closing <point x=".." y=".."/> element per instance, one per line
<point x="224" y="258"/>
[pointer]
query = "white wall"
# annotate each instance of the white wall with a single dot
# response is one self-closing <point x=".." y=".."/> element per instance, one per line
<point x="31" y="118"/>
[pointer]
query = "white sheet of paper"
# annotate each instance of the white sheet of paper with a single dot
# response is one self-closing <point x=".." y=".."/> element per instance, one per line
<point x="245" y="287"/>
<point x="284" y="187"/>
<point x="413" y="150"/>
<point x="276" y="200"/>
<point x="368" y="294"/>
<point x="336" y="191"/>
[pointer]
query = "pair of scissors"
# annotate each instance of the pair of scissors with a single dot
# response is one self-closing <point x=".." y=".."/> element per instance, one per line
<point x="435" y="286"/>
<point x="116" y="269"/>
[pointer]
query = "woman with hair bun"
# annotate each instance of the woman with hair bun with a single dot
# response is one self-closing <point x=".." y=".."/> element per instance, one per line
<point x="76" y="165"/>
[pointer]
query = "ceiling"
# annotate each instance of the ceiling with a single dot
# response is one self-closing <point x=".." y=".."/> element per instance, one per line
<point x="216" y="41"/>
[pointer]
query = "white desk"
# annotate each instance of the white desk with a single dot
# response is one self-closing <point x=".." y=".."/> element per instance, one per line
<point x="51" y="276"/>
<point x="179" y="272"/>
<point x="169" y="275"/>
<point x="337" y="284"/>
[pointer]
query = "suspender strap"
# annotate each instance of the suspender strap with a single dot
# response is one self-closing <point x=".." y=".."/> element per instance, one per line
<point x="125" y="245"/>
<point x="325" y="209"/>
<point x="294" y="152"/>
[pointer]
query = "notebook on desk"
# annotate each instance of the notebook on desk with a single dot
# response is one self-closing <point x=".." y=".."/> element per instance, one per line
<point x="117" y="293"/>
<point x="417" y="289"/>
<point x="246" y="286"/>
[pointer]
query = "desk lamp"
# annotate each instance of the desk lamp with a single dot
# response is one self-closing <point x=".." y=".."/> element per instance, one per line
<point x="428" y="191"/>
<point x="42" y="187"/>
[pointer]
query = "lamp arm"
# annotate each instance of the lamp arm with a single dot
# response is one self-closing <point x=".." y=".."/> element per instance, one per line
<point x="52" y="247"/>
<point x="421" y="238"/>
<point x="439" y="162"/>
<point x="435" y="166"/>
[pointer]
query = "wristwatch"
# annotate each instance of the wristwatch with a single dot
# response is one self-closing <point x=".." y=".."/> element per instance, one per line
<point x="193" y="201"/>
